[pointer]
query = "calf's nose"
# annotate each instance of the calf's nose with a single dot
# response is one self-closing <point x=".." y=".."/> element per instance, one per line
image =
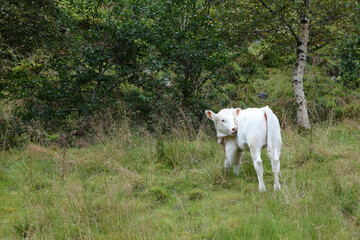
<point x="234" y="129"/>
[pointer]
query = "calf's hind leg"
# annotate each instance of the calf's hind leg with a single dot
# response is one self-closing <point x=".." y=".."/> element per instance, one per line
<point x="256" y="157"/>
<point x="275" y="164"/>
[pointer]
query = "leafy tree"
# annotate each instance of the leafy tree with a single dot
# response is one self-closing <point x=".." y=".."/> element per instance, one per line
<point x="189" y="43"/>
<point x="82" y="74"/>
<point x="28" y="25"/>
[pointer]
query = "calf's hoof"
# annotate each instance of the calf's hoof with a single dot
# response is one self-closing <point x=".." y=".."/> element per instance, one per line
<point x="262" y="189"/>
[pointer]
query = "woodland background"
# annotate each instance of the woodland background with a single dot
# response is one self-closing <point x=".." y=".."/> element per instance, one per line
<point x="65" y="64"/>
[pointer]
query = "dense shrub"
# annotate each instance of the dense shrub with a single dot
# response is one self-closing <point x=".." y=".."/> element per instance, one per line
<point x="349" y="55"/>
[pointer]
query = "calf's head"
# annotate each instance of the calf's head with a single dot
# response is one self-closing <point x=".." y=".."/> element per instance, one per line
<point x="224" y="121"/>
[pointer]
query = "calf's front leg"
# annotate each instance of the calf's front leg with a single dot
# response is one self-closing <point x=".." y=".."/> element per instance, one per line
<point x="237" y="162"/>
<point x="231" y="152"/>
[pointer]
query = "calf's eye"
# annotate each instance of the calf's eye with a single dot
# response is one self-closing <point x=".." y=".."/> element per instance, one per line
<point x="223" y="120"/>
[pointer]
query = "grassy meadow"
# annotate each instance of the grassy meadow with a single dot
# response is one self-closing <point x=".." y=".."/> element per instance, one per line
<point x="136" y="185"/>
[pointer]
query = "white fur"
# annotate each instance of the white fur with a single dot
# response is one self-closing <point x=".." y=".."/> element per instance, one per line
<point x="253" y="132"/>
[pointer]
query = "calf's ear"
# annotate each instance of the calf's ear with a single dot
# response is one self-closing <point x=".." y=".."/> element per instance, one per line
<point x="210" y="114"/>
<point x="237" y="111"/>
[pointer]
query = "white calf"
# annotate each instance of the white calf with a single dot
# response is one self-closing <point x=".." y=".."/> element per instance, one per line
<point x="249" y="129"/>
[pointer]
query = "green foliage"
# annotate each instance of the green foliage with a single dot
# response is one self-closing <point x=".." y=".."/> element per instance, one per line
<point x="8" y="57"/>
<point x="328" y="99"/>
<point x="349" y="54"/>
<point x="188" y="38"/>
<point x="84" y="75"/>
<point x="26" y="26"/>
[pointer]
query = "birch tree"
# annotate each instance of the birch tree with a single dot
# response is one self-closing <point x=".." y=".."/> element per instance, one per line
<point x="314" y="24"/>
<point x="309" y="22"/>
<point x="307" y="25"/>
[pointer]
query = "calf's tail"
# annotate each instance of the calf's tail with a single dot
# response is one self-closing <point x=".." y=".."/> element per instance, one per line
<point x="273" y="134"/>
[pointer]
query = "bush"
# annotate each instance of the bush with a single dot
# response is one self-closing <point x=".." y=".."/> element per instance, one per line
<point x="349" y="56"/>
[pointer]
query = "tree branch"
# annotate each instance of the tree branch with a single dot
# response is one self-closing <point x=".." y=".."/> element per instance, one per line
<point x="281" y="19"/>
<point x="331" y="18"/>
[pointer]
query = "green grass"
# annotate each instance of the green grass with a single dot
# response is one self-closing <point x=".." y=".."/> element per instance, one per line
<point x="138" y="186"/>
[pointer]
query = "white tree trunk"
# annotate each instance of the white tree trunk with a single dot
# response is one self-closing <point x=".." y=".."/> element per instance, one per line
<point x="298" y="74"/>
